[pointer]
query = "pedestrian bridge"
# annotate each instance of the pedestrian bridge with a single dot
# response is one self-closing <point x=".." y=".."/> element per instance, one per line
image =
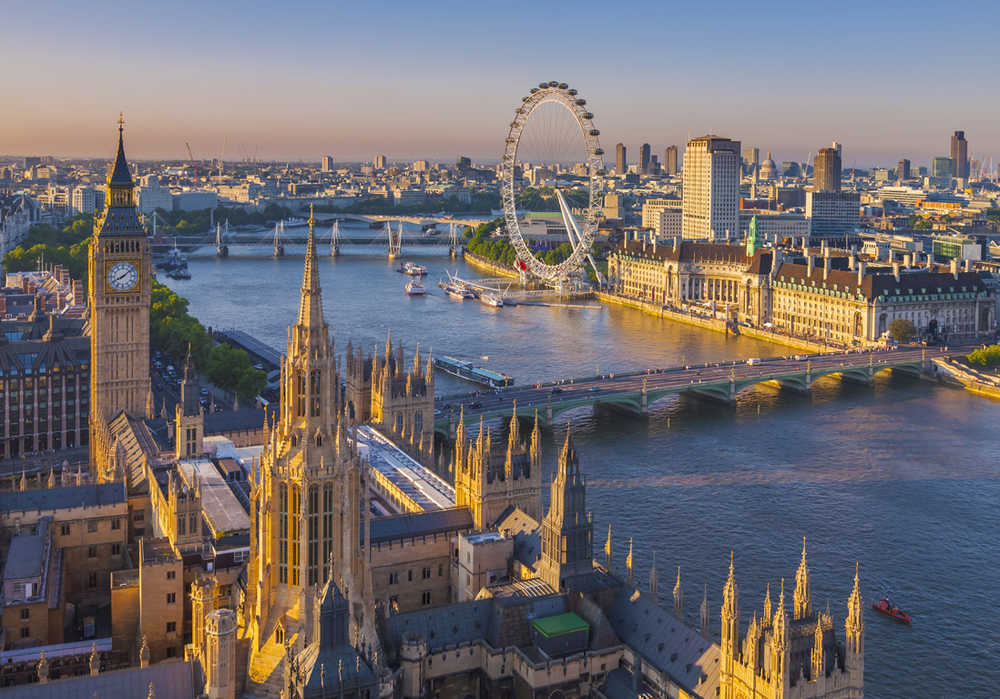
<point x="634" y="392"/>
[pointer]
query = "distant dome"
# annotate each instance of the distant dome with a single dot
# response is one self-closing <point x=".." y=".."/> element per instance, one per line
<point x="768" y="170"/>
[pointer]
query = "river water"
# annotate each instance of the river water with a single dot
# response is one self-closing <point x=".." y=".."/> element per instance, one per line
<point x="902" y="477"/>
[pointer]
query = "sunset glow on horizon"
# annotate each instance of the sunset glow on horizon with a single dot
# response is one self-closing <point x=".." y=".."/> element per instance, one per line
<point x="305" y="79"/>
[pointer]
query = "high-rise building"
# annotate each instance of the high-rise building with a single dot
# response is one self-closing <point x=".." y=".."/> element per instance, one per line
<point x="670" y="160"/>
<point x="826" y="171"/>
<point x="621" y="159"/>
<point x="380" y="162"/>
<point x="84" y="200"/>
<point x="903" y="170"/>
<point x="711" y="188"/>
<point x="832" y="214"/>
<point x="327" y="163"/>
<point x="644" y="152"/>
<point x="960" y="155"/>
<point x="942" y="167"/>
<point x="751" y="158"/>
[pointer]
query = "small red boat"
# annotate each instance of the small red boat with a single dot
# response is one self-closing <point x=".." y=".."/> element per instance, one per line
<point x="885" y="606"/>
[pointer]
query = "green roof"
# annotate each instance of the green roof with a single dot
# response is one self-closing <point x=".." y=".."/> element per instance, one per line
<point x="560" y="624"/>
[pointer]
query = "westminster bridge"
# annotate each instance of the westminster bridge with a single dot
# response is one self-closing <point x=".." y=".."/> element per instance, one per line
<point x="633" y="393"/>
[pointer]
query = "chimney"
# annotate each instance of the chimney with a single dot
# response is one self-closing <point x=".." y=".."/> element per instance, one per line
<point x="908" y="260"/>
<point x="644" y="244"/>
<point x="895" y="271"/>
<point x="826" y="264"/>
<point x="928" y="260"/>
<point x="851" y="260"/>
<point x="653" y="236"/>
<point x="861" y="272"/>
<point x="967" y="267"/>
<point x="954" y="267"/>
<point x="809" y="264"/>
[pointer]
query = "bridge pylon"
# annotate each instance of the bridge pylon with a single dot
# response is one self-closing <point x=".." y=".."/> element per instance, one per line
<point x="279" y="246"/>
<point x="221" y="249"/>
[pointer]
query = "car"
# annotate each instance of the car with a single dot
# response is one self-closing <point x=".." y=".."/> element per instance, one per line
<point x="753" y="361"/>
<point x="594" y="389"/>
<point x="556" y="389"/>
<point x="475" y="405"/>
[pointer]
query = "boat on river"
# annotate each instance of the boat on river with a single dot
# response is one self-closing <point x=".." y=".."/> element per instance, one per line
<point x="412" y="269"/>
<point x="459" y="293"/>
<point x="174" y="260"/>
<point x="491" y="300"/>
<point x="415" y="288"/>
<point x="885" y="606"/>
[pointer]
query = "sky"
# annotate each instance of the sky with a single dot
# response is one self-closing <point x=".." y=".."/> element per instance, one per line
<point x="297" y="80"/>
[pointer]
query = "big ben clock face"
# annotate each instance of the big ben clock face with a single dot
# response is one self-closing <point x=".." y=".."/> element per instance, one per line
<point x="123" y="276"/>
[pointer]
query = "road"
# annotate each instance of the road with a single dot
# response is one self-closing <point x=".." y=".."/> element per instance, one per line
<point x="594" y="388"/>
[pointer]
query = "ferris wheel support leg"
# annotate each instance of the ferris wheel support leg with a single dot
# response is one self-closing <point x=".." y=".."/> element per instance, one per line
<point x="574" y="233"/>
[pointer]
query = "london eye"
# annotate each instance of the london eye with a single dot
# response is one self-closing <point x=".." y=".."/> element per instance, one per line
<point x="553" y="144"/>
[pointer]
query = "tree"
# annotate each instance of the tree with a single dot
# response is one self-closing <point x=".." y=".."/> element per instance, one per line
<point x="902" y="330"/>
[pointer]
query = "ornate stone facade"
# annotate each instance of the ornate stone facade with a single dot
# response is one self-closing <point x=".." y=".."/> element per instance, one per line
<point x="400" y="401"/>
<point x="489" y="481"/>
<point x="817" y="293"/>
<point x="307" y="504"/>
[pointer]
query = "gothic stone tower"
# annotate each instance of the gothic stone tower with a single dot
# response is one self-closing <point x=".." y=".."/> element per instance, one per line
<point x="488" y="482"/>
<point x="567" y="532"/>
<point x="307" y="501"/>
<point x="189" y="418"/>
<point x="791" y="656"/>
<point x="119" y="282"/>
<point x="402" y="400"/>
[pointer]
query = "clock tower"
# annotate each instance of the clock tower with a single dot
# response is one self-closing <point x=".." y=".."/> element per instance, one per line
<point x="119" y="281"/>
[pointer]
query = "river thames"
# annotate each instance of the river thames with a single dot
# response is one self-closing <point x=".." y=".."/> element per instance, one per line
<point x="902" y="477"/>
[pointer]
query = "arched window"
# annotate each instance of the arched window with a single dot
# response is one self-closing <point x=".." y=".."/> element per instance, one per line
<point x="313" y="534"/>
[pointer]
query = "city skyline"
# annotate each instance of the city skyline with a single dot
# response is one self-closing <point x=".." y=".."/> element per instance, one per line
<point x="298" y="83"/>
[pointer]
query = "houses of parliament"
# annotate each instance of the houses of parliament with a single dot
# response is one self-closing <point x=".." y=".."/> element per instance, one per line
<point x="274" y="553"/>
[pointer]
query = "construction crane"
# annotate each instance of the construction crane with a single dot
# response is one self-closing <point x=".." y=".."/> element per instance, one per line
<point x="191" y="158"/>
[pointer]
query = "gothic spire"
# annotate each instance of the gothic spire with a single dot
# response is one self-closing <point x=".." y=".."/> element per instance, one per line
<point x="780" y="623"/>
<point x="854" y="625"/>
<point x="119" y="217"/>
<point x="513" y="434"/>
<point x="536" y="443"/>
<point x="801" y="598"/>
<point x="678" y="596"/>
<point x="731" y="593"/>
<point x="818" y="661"/>
<point x="628" y="563"/>
<point x="121" y="176"/>
<point x="608" y="551"/>
<point x="569" y="465"/>
<point x="767" y="605"/>
<point x="311" y="302"/>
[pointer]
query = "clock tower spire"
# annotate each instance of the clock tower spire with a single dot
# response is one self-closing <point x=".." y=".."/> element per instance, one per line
<point x="119" y="288"/>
